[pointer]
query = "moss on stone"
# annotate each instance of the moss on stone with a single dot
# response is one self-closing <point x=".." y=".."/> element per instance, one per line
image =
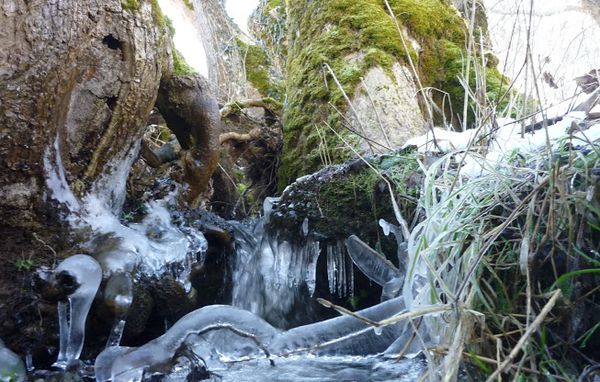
<point x="340" y="201"/>
<point x="131" y="5"/>
<point x="353" y="36"/>
<point x="180" y="67"/>
<point x="257" y="64"/>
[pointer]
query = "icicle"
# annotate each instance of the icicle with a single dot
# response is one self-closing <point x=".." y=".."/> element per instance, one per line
<point x="375" y="267"/>
<point x="11" y="366"/>
<point x="331" y="269"/>
<point x="118" y="295"/>
<point x="305" y="227"/>
<point x="84" y="274"/>
<point x="311" y="270"/>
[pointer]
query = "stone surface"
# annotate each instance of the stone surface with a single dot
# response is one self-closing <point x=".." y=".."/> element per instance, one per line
<point x="388" y="109"/>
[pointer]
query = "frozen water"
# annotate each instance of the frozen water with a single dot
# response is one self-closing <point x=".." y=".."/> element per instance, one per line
<point x="160" y="352"/>
<point x="104" y="361"/>
<point x="319" y="369"/>
<point x="370" y="262"/>
<point x="84" y="272"/>
<point x="270" y="274"/>
<point x="11" y="366"/>
<point x="340" y="271"/>
<point x="118" y="294"/>
<point x="240" y="335"/>
<point x="147" y="248"/>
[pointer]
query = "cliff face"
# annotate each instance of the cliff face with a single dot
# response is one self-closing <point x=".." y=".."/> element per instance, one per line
<point x="77" y="82"/>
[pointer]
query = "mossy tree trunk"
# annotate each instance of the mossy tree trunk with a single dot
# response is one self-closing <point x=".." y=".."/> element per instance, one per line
<point x="335" y="51"/>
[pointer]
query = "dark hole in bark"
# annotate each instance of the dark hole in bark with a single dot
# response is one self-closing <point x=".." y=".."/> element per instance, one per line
<point x="111" y="102"/>
<point x="111" y="42"/>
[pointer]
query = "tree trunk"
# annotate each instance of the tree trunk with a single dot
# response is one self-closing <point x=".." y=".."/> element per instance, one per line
<point x="77" y="82"/>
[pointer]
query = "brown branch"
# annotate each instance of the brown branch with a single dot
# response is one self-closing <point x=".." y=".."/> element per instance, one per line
<point x="234" y="107"/>
<point x="254" y="134"/>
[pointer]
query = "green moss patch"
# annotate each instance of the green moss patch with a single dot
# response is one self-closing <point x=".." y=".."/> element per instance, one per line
<point x="352" y="36"/>
<point x="180" y="67"/>
<point x="257" y="64"/>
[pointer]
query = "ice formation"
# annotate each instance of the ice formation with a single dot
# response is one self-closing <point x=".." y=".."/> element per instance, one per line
<point x="84" y="274"/>
<point x="149" y="247"/>
<point x="340" y="336"/>
<point x="11" y="366"/>
<point x="118" y="294"/>
<point x="270" y="273"/>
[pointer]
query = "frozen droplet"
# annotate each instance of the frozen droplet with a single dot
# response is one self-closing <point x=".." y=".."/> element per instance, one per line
<point x="305" y="227"/>
<point x="378" y="330"/>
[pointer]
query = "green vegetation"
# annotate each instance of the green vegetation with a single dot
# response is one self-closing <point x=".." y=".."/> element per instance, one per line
<point x="352" y="37"/>
<point x="189" y="4"/>
<point x="257" y="64"/>
<point x="157" y="15"/>
<point x="180" y="67"/>
<point x="131" y="5"/>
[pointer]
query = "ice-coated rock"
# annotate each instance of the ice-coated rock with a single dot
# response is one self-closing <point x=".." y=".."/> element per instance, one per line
<point x="11" y="366"/>
<point x="159" y="352"/>
<point x="81" y="275"/>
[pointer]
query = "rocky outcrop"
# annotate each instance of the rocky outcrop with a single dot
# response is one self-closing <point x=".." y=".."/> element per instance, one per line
<point x="77" y="82"/>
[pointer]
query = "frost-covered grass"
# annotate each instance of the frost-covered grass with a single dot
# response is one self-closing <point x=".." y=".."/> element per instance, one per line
<point x="495" y="243"/>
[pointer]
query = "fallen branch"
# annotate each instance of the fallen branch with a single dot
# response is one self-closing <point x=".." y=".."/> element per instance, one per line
<point x="254" y="134"/>
<point x="267" y="103"/>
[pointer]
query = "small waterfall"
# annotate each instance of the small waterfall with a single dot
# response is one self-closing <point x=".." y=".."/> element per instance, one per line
<point x="271" y="274"/>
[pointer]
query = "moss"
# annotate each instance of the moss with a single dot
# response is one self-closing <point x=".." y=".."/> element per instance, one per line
<point x="180" y="67"/>
<point x="352" y="36"/>
<point x="188" y="4"/>
<point x="257" y="64"/>
<point x="131" y="5"/>
<point x="340" y="201"/>
<point x="157" y="14"/>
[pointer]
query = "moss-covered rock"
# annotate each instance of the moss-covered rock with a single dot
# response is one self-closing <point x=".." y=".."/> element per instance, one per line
<point x="352" y="37"/>
<point x="350" y="198"/>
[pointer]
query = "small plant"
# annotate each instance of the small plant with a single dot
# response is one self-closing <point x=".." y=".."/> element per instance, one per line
<point x="24" y="265"/>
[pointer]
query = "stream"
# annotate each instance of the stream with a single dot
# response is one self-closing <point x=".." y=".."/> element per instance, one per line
<point x="257" y="337"/>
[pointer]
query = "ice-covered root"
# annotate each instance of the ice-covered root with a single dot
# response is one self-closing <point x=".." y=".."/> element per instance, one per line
<point x="11" y="366"/>
<point x="79" y="276"/>
<point x="158" y="354"/>
<point x="376" y="267"/>
<point x="118" y="295"/>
